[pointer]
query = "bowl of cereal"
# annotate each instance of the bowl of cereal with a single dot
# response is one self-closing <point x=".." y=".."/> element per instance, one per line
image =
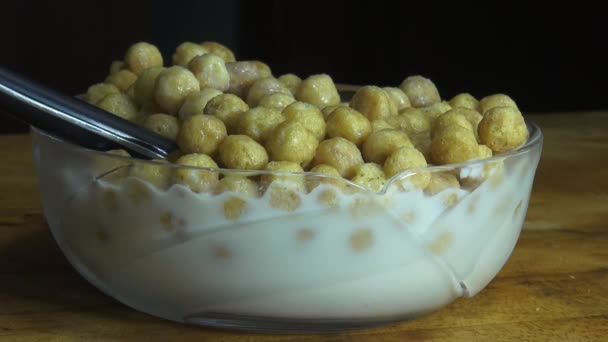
<point x="286" y="207"/>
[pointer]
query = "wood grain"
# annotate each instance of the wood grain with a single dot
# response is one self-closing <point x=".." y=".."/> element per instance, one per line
<point x="554" y="287"/>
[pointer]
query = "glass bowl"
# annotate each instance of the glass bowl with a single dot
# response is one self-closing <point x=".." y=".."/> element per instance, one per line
<point x="306" y="252"/>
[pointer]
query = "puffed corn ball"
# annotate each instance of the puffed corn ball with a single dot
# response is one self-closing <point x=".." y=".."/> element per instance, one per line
<point x="238" y="184"/>
<point x="116" y="66"/>
<point x="335" y="178"/>
<point x="472" y="116"/>
<point x="309" y="116"/>
<point x="464" y="100"/>
<point x="369" y="175"/>
<point x="263" y="87"/>
<point x="290" y="81"/>
<point x="259" y="122"/>
<point x="196" y="180"/>
<point x="349" y="124"/>
<point x="162" y="124"/>
<point x="421" y="91"/>
<point x="415" y="121"/>
<point x="291" y="141"/>
<point x="404" y="159"/>
<point x="120" y="105"/>
<point x="329" y="109"/>
<point x="496" y="100"/>
<point x="277" y="101"/>
<point x="141" y="56"/>
<point x="144" y="85"/>
<point x="454" y="145"/>
<point x="400" y="100"/>
<point x="379" y="145"/>
<point x="220" y="50"/>
<point x="98" y="91"/>
<point x="243" y="153"/>
<point x="172" y="87"/>
<point x="449" y="119"/>
<point x="441" y="181"/>
<point x="186" y="51"/>
<point x="201" y="134"/>
<point x="243" y="74"/>
<point x="318" y="90"/>
<point x="373" y="102"/>
<point x="435" y="110"/>
<point x="380" y="124"/>
<point x="195" y="103"/>
<point x="296" y="181"/>
<point x="227" y="107"/>
<point x="210" y="71"/>
<point x="153" y="172"/>
<point x="122" y="79"/>
<point x="340" y="154"/>
<point x="503" y="129"/>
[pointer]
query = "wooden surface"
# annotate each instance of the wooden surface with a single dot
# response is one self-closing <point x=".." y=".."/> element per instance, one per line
<point x="554" y="286"/>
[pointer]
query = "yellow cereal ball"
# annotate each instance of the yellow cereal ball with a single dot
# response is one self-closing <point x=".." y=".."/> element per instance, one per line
<point x="122" y="79"/>
<point x="404" y="159"/>
<point x="210" y="71"/>
<point x="422" y="142"/>
<point x="120" y="105"/>
<point x="434" y="111"/>
<point x="290" y="81"/>
<point x="496" y="100"/>
<point x="349" y="124"/>
<point x="369" y="175"/>
<point x="116" y="66"/>
<point x="141" y="56"/>
<point x="280" y="173"/>
<point x="131" y="92"/>
<point x="98" y="91"/>
<point x="172" y="87"/>
<point x="243" y="74"/>
<point x="238" y="184"/>
<point x="227" y="107"/>
<point x="148" y="108"/>
<point x="259" y="122"/>
<point x="400" y="100"/>
<point x="329" y="109"/>
<point x="263" y="87"/>
<point x="503" y="129"/>
<point x="472" y="116"/>
<point x="154" y="173"/>
<point x="420" y="90"/>
<point x="277" y="101"/>
<point x="373" y="102"/>
<point x="220" y="50"/>
<point x="454" y="145"/>
<point x="195" y="103"/>
<point x="308" y="116"/>
<point x="186" y="51"/>
<point x="144" y="86"/>
<point x="464" y="100"/>
<point x="339" y="153"/>
<point x="484" y="152"/>
<point x="379" y="145"/>
<point x="416" y="121"/>
<point x="441" y="181"/>
<point x="335" y="179"/>
<point x="318" y="90"/>
<point x="448" y="120"/>
<point x="243" y="153"/>
<point x="197" y="180"/>
<point x="380" y="124"/>
<point x="163" y="124"/>
<point x="291" y="141"/>
<point x="201" y="134"/>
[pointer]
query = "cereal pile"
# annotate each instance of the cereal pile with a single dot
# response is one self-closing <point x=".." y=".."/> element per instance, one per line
<point x="237" y="115"/>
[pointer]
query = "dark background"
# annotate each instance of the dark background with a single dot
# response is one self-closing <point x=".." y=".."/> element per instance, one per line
<point x="548" y="59"/>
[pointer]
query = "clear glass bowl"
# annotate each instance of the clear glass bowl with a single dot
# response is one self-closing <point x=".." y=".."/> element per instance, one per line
<point x="309" y="252"/>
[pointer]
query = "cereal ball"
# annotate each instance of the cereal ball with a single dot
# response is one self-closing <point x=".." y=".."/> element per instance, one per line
<point x="464" y="100"/>
<point x="379" y="145"/>
<point x="197" y="180"/>
<point x="422" y="142"/>
<point x="120" y="105"/>
<point x="131" y="92"/>
<point x="433" y="111"/>
<point x="201" y="134"/>
<point x="335" y="179"/>
<point x="453" y="145"/>
<point x="291" y="141"/>
<point x="404" y="159"/>
<point x="195" y="103"/>
<point x="277" y="101"/>
<point x="116" y="66"/>
<point x="262" y="87"/>
<point x="259" y="122"/>
<point x="219" y="50"/>
<point x="243" y="74"/>
<point x="349" y="124"/>
<point x="283" y="189"/>
<point x="98" y="91"/>
<point x="238" y="184"/>
<point x="448" y="120"/>
<point x="369" y="175"/>
<point x="318" y="90"/>
<point x="144" y="86"/>
<point x="122" y="79"/>
<point x="472" y="116"/>
<point x="308" y="116"/>
<point x="141" y="56"/>
<point x="503" y="129"/>
<point x="416" y="121"/>
<point x="163" y="124"/>
<point x="441" y="181"/>
<point x="227" y="107"/>
<point x="420" y="90"/>
<point x="243" y="153"/>
<point x="172" y="87"/>
<point x="373" y="102"/>
<point x="186" y="51"/>
<point x="148" y="108"/>
<point x="290" y="81"/>
<point x="328" y="109"/>
<point x="297" y="181"/>
<point x="210" y="71"/>
<point x="484" y="152"/>
<point x="154" y="172"/>
<point x="496" y="100"/>
<point x="399" y="122"/>
<point x="380" y="124"/>
<point x="339" y="153"/>
<point x="400" y="100"/>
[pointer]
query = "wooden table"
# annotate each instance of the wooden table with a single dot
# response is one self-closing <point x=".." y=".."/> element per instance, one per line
<point x="555" y="285"/>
